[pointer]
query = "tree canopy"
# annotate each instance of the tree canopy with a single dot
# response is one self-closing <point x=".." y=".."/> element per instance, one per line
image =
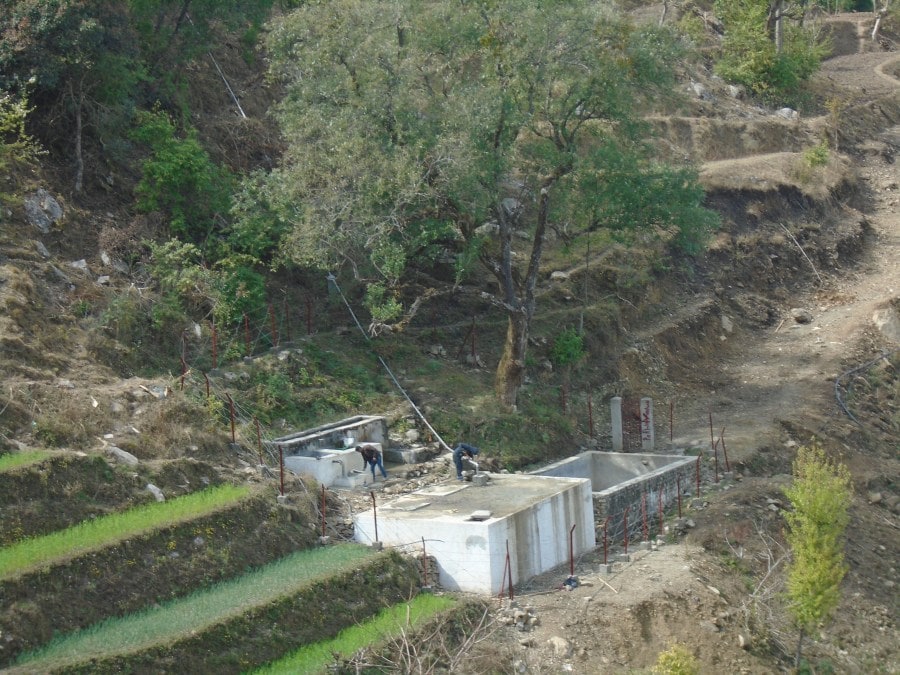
<point x="416" y="124"/>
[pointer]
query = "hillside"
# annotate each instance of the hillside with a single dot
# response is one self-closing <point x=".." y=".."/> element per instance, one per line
<point x="787" y="328"/>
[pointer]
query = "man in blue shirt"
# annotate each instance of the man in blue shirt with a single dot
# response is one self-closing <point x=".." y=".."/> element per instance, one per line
<point x="462" y="450"/>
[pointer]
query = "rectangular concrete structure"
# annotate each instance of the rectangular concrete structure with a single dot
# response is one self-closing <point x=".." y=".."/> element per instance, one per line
<point x="531" y="515"/>
<point x="343" y="434"/>
<point x="328" y="454"/>
<point x="629" y="483"/>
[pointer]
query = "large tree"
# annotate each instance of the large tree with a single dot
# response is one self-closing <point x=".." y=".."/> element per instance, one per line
<point x="413" y="122"/>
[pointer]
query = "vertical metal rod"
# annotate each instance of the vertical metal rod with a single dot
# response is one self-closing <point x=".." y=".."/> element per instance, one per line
<point x="503" y="580"/>
<point x="661" y="512"/>
<point x="424" y="563"/>
<point x="281" y="469"/>
<point x="183" y="371"/>
<point x="644" y="528"/>
<point x="724" y="450"/>
<point x="678" y="487"/>
<point x="206" y="377"/>
<point x="605" y="540"/>
<point x="374" y="513"/>
<point x="323" y="511"/>
<point x="625" y="524"/>
<point x="712" y="439"/>
<point x="716" y="456"/>
<point x="511" y="592"/>
<point x="287" y="319"/>
<point x="572" y="551"/>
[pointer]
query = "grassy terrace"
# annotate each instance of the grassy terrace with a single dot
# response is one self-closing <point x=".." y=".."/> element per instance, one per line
<point x="389" y="623"/>
<point x="178" y="619"/>
<point x="32" y="553"/>
<point x="14" y="460"/>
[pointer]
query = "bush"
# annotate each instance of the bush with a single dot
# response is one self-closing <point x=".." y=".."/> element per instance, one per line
<point x="676" y="660"/>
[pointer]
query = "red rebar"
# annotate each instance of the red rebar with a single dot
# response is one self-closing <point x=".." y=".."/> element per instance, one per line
<point x="678" y="487"/>
<point x="509" y="565"/>
<point x="716" y="457"/>
<point x="215" y="347"/>
<point x="231" y="415"/>
<point x="503" y="580"/>
<point x="625" y="524"/>
<point x="712" y="439"/>
<point x="247" y="334"/>
<point x="605" y="540"/>
<point x="590" y="416"/>
<point x="374" y="514"/>
<point x="258" y="440"/>
<point x="274" y="326"/>
<point x="644" y="516"/>
<point x="183" y="371"/>
<point x="661" y="519"/>
<point x="281" y="469"/>
<point x="424" y="563"/>
<point x="206" y="377"/>
<point x="724" y="450"/>
<point x="572" y="551"/>
<point x="287" y="319"/>
<point x="323" y="510"/>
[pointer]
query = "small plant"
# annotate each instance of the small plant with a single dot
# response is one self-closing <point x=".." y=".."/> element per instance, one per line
<point x="676" y="660"/>
<point x="568" y="348"/>
<point x="820" y="494"/>
<point x="817" y="155"/>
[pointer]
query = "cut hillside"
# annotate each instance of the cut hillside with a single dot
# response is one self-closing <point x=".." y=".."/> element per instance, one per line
<point x="785" y="329"/>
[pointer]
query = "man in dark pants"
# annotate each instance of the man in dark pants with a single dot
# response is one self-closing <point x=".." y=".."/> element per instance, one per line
<point x="371" y="458"/>
<point x="462" y="450"/>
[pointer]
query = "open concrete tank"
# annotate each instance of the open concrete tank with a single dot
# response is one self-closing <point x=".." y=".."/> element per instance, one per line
<point x="469" y="528"/>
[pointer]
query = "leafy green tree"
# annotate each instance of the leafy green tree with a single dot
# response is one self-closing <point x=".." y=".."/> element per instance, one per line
<point x="414" y="125"/>
<point x="772" y="60"/>
<point x="181" y="180"/>
<point x="77" y="57"/>
<point x="820" y="495"/>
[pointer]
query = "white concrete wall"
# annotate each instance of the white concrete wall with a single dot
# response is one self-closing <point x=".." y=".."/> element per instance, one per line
<point x="471" y="555"/>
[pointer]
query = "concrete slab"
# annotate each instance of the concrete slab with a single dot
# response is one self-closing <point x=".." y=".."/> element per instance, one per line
<point x="530" y="516"/>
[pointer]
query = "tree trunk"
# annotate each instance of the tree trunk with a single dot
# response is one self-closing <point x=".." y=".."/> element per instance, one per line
<point x="779" y="26"/>
<point x="511" y="370"/>
<point x="78" y="104"/>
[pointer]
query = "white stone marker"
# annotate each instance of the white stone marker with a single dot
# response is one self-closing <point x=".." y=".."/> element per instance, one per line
<point x="615" y="414"/>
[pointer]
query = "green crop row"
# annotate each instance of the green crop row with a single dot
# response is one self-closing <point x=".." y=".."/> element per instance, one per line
<point x="178" y="619"/>
<point x="14" y="460"/>
<point x="88" y="535"/>
<point x="388" y="623"/>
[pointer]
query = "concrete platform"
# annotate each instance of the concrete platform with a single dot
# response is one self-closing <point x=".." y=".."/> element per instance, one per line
<point x="468" y="528"/>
